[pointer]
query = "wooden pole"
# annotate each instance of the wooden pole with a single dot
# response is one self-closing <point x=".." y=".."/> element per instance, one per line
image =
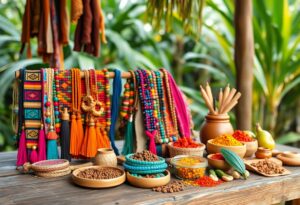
<point x="110" y="74"/>
<point x="243" y="58"/>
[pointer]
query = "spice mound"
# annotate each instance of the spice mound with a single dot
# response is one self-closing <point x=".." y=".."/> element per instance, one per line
<point x="186" y="143"/>
<point x="145" y="156"/>
<point x="174" y="186"/>
<point x="268" y="167"/>
<point x="189" y="167"/>
<point x="242" y="136"/>
<point x="204" y="181"/>
<point x="226" y="140"/>
<point x="102" y="173"/>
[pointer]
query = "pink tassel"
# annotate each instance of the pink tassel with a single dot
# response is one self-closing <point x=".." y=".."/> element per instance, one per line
<point x="151" y="135"/>
<point x="42" y="145"/>
<point x="22" y="152"/>
<point x="34" y="156"/>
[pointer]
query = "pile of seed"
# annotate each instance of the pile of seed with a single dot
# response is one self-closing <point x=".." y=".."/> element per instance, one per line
<point x="102" y="173"/>
<point x="174" y="186"/>
<point x="145" y="156"/>
<point x="268" y="167"/>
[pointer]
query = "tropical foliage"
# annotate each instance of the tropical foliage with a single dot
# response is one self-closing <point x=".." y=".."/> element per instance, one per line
<point x="132" y="43"/>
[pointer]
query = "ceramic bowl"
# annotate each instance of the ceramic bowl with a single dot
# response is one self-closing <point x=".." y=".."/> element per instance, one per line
<point x="218" y="164"/>
<point x="174" y="151"/>
<point x="251" y="148"/>
<point x="289" y="158"/>
<point x="98" y="183"/>
<point x="184" y="170"/>
<point x="239" y="150"/>
<point x="148" y="183"/>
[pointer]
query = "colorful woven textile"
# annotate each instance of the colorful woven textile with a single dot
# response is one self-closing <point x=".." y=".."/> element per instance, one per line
<point x="64" y="90"/>
<point x="32" y="103"/>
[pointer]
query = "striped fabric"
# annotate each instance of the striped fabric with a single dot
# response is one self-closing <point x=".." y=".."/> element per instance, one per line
<point x="32" y="101"/>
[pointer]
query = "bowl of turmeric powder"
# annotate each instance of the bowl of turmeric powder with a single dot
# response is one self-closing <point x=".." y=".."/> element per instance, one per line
<point x="226" y="141"/>
<point x="188" y="166"/>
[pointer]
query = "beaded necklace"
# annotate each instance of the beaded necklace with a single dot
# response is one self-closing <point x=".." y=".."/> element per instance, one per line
<point x="107" y="100"/>
<point x="56" y="102"/>
<point x="158" y="106"/>
<point x="146" y="98"/>
<point x="49" y="99"/>
<point x="170" y="118"/>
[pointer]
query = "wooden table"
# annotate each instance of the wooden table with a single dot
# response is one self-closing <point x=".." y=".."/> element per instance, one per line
<point x="18" y="188"/>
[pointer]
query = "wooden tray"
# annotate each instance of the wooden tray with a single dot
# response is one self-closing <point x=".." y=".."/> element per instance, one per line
<point x="47" y="165"/>
<point x="148" y="182"/>
<point x="251" y="168"/>
<point x="98" y="183"/>
<point x="289" y="160"/>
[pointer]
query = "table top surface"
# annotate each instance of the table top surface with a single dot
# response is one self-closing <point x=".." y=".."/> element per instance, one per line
<point x="16" y="188"/>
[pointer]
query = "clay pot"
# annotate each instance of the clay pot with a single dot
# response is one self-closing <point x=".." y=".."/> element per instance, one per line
<point x="214" y="126"/>
<point x="263" y="153"/>
<point x="106" y="157"/>
<point x="218" y="164"/>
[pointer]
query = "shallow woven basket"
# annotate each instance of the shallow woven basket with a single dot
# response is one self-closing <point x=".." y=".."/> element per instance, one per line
<point x="174" y="151"/>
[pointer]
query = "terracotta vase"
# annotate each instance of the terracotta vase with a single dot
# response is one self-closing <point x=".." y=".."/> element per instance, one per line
<point x="214" y="126"/>
<point x="106" y="157"/>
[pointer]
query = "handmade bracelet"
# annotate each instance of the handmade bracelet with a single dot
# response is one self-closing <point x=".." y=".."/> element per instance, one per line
<point x="145" y="167"/>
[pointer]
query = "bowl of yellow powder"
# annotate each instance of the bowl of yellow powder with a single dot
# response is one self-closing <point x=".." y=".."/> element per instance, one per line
<point x="226" y="141"/>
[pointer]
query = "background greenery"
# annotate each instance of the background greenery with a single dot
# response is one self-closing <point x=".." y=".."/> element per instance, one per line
<point x="132" y="43"/>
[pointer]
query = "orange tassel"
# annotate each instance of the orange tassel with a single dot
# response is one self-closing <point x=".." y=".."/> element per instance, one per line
<point x="73" y="136"/>
<point x="80" y="133"/>
<point x="92" y="140"/>
<point x="83" y="149"/>
<point x="100" y="142"/>
<point x="105" y="138"/>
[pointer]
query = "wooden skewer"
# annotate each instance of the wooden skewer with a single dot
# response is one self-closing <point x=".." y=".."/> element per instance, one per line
<point x="230" y="106"/>
<point x="232" y="103"/>
<point x="209" y="93"/>
<point x="229" y="98"/>
<point x="207" y="101"/>
<point x="225" y="94"/>
<point x="220" y="99"/>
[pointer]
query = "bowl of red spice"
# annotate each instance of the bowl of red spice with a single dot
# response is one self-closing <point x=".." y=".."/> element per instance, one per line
<point x="245" y="138"/>
<point x="185" y="146"/>
<point x="217" y="161"/>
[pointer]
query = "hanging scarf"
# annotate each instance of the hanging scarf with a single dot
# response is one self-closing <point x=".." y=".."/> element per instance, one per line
<point x="181" y="109"/>
<point x="117" y="89"/>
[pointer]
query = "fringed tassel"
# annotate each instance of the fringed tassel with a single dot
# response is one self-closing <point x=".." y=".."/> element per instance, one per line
<point x="83" y="149"/>
<point x="92" y="140"/>
<point x="151" y="135"/>
<point x="42" y="145"/>
<point x="80" y="132"/>
<point x="128" y="145"/>
<point x="22" y="152"/>
<point x="65" y="135"/>
<point x="73" y="136"/>
<point x="34" y="155"/>
<point x="100" y="141"/>
<point x="52" y="151"/>
<point x="106" y="140"/>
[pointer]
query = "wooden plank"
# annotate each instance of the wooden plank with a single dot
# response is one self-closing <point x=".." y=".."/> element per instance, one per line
<point x="28" y="189"/>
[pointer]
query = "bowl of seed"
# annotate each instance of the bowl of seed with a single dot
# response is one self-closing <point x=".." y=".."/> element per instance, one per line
<point x="98" y="176"/>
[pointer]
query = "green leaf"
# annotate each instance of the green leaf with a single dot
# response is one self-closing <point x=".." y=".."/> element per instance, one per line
<point x="290" y="137"/>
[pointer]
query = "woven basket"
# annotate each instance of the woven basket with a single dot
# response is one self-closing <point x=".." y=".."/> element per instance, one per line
<point x="174" y="151"/>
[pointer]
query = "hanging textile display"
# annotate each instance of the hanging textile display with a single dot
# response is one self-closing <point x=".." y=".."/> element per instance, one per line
<point x="48" y="21"/>
<point x="73" y="109"/>
<point x="89" y="25"/>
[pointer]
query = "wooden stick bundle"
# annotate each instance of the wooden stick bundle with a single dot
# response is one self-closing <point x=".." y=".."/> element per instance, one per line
<point x="227" y="99"/>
